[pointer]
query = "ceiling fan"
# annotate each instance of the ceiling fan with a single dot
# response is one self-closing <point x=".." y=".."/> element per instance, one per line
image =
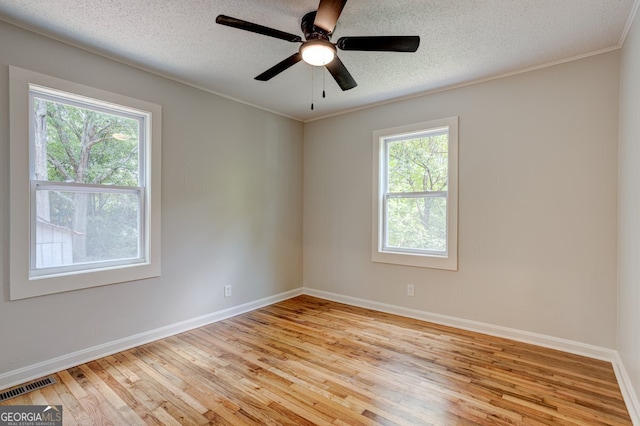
<point x="317" y="48"/>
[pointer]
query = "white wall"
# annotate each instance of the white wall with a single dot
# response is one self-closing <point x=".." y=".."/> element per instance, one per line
<point x="537" y="203"/>
<point x="629" y="208"/>
<point x="231" y="202"/>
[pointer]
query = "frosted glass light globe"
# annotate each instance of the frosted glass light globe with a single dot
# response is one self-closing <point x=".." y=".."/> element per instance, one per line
<point x="318" y="52"/>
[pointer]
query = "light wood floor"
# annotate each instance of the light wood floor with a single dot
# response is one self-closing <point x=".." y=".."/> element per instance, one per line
<point x="309" y="361"/>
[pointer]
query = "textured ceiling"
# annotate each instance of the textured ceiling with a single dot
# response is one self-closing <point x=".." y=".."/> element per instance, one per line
<point x="461" y="41"/>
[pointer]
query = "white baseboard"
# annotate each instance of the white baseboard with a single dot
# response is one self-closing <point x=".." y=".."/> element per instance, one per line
<point x="626" y="387"/>
<point x="31" y="372"/>
<point x="545" y="341"/>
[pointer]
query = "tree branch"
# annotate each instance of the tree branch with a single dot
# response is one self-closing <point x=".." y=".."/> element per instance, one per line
<point x="60" y="167"/>
<point x="119" y="166"/>
<point x="56" y="120"/>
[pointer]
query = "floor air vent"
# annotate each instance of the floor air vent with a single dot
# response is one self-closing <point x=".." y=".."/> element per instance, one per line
<point x="23" y="389"/>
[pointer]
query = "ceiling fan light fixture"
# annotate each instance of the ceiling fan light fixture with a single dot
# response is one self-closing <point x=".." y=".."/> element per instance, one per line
<point x="318" y="52"/>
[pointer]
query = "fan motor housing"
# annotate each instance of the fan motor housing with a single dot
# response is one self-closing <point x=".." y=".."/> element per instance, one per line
<point x="310" y="31"/>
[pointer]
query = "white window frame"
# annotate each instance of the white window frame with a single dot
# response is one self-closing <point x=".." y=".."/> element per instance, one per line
<point x="420" y="258"/>
<point x="25" y="280"/>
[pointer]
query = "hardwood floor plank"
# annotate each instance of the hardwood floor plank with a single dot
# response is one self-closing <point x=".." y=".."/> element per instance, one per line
<point x="308" y="361"/>
<point x="217" y="385"/>
<point x="72" y="411"/>
<point x="168" y="398"/>
<point x="121" y="392"/>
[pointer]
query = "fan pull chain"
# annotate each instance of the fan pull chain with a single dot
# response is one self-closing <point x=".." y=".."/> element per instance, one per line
<point x="312" y="88"/>
<point x="324" y="95"/>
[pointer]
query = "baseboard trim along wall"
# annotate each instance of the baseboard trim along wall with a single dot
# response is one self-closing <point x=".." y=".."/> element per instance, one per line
<point x="577" y="348"/>
<point x="31" y="372"/>
<point x="630" y="396"/>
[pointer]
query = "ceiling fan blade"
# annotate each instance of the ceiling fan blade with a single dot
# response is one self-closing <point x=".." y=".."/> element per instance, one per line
<point x="328" y="14"/>
<point x="279" y="67"/>
<point x="380" y="43"/>
<point x="255" y="28"/>
<point x="340" y="74"/>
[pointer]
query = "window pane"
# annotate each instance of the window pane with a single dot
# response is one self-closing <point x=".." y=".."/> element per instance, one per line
<point x="86" y="227"/>
<point x="83" y="145"/>
<point x="418" y="164"/>
<point x="417" y="223"/>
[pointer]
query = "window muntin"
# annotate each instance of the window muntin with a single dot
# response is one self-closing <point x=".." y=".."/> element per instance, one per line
<point x="87" y="183"/>
<point x="415" y="195"/>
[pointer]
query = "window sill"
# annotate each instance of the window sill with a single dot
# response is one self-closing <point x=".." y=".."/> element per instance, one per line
<point x="449" y="263"/>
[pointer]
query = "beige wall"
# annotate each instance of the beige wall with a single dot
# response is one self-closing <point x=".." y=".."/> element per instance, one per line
<point x="231" y="202"/>
<point x="537" y="203"/>
<point x="629" y="208"/>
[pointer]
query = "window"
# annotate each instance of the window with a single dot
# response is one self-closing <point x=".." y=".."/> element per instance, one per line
<point x="84" y="186"/>
<point x="415" y="195"/>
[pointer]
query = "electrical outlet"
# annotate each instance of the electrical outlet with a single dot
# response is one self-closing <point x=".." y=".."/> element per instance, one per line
<point x="410" y="290"/>
<point x="227" y="290"/>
